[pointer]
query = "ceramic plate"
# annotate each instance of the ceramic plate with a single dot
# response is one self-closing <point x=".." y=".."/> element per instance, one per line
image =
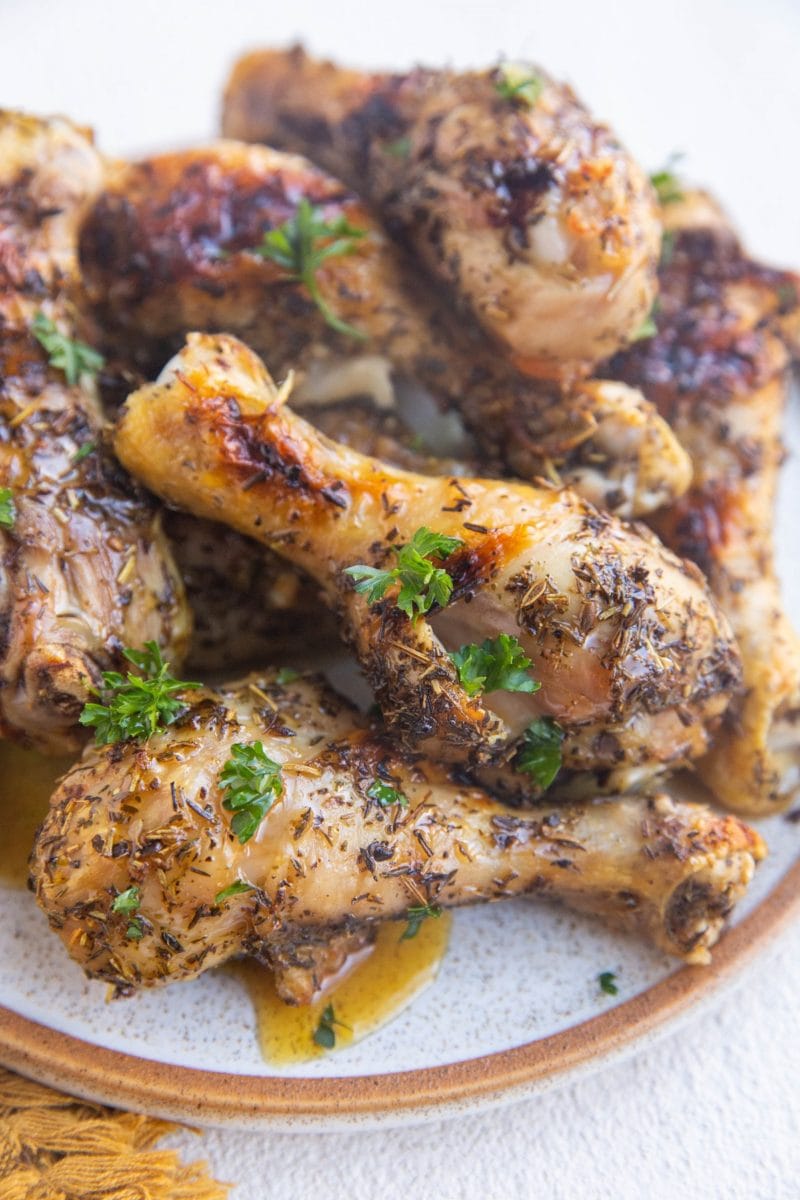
<point x="516" y="1005"/>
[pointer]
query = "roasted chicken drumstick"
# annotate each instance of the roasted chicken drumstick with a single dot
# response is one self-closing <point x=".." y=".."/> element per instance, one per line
<point x="84" y="567"/>
<point x="148" y="823"/>
<point x="508" y="189"/>
<point x="634" y="658"/>
<point x="172" y="245"/>
<point x="718" y="371"/>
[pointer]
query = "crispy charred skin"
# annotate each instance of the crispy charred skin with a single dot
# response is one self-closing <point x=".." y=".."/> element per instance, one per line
<point x="85" y="569"/>
<point x="634" y="659"/>
<point x="533" y="216"/>
<point x="329" y="861"/>
<point x="717" y="369"/>
<point x="167" y="248"/>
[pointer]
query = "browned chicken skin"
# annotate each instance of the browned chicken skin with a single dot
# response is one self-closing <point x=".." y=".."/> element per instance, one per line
<point x="523" y="205"/>
<point x="168" y="247"/>
<point x="717" y="369"/>
<point x="84" y="568"/>
<point x="634" y="659"/>
<point x="328" y="860"/>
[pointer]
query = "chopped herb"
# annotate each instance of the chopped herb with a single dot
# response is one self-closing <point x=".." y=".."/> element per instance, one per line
<point x="666" y="183"/>
<point x="252" y="781"/>
<point x="8" y="509"/>
<point x="237" y="888"/>
<point x="787" y="296"/>
<point x="400" y="148"/>
<point x="667" y="247"/>
<point x="540" y="753"/>
<point x="303" y="243"/>
<point x="648" y="327"/>
<point x="287" y="675"/>
<point x="135" y="930"/>
<point x="421" y="583"/>
<point x="66" y="354"/>
<point x="83" y="452"/>
<point x="515" y="83"/>
<point x="127" y="901"/>
<point x="608" y="983"/>
<point x="325" y="1033"/>
<point x="498" y="664"/>
<point x="416" y="916"/>
<point x="386" y="795"/>
<point x="136" y="706"/>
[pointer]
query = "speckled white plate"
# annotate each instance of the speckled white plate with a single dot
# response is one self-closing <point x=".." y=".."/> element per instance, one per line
<point x="516" y="1007"/>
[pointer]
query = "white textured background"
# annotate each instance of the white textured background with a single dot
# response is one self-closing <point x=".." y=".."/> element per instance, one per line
<point x="713" y="1111"/>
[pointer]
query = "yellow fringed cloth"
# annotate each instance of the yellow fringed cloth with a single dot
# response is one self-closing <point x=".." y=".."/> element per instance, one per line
<point x="55" y="1148"/>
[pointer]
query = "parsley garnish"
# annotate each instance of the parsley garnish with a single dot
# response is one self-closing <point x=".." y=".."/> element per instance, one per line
<point x="136" y="706"/>
<point x="83" y="452"/>
<point x="8" y="509"/>
<point x="287" y="675"/>
<point x="608" y="983"/>
<point x="498" y="664"/>
<point x="386" y="795"/>
<point x="667" y="184"/>
<point x="400" y="148"/>
<point x="325" y="1033"/>
<point x="303" y="243"/>
<point x="416" y="916"/>
<point x="233" y="889"/>
<point x="540" y="753"/>
<point x="648" y="327"/>
<point x="252" y="781"/>
<point x="421" y="583"/>
<point x="127" y="901"/>
<point x="515" y="83"/>
<point x="66" y="354"/>
<point x="135" y="930"/>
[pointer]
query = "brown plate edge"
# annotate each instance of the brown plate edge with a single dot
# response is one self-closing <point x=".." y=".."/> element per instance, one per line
<point x="218" y="1098"/>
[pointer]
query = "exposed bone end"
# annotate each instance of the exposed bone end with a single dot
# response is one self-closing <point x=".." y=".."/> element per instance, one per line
<point x="55" y="684"/>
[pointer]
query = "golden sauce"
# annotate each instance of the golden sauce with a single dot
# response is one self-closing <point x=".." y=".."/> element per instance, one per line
<point x="27" y="780"/>
<point x="376" y="990"/>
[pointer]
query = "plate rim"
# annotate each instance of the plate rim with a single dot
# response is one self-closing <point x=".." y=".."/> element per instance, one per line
<point x="220" y="1098"/>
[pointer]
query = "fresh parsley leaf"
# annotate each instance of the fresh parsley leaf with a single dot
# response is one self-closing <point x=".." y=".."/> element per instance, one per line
<point x="399" y="148"/>
<point x="83" y="452"/>
<point x="498" y="664"/>
<point x="237" y="888"/>
<point x="540" y="753"/>
<point x="303" y="243"/>
<point x="135" y="930"/>
<point x="136" y="706"/>
<point x="667" y="247"/>
<point x="648" y="327"/>
<point x="515" y="83"/>
<point x="66" y="354"/>
<point x="287" y="675"/>
<point x="416" y="916"/>
<point x="386" y="795"/>
<point x="608" y="983"/>
<point x="8" y="509"/>
<point x="127" y="901"/>
<point x="325" y="1033"/>
<point x="421" y="583"/>
<point x="667" y="184"/>
<point x="252" y="783"/>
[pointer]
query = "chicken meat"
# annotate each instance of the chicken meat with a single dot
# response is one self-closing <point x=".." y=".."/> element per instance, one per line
<point x="172" y="243"/>
<point x="718" y="370"/>
<point x="507" y="188"/>
<point x="149" y="823"/>
<point x="84" y="566"/>
<point x="635" y="661"/>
